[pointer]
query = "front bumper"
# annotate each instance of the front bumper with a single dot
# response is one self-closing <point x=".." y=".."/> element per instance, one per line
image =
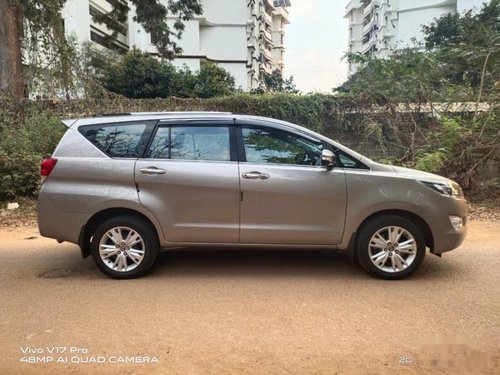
<point x="448" y="238"/>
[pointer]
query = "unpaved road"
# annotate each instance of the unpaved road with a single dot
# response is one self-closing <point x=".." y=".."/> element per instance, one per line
<point x="261" y="312"/>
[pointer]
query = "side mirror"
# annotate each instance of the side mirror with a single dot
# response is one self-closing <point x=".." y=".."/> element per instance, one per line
<point x="328" y="159"/>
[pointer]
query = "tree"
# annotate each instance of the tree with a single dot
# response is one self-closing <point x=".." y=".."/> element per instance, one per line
<point x="460" y="62"/>
<point x="139" y="75"/>
<point x="468" y="45"/>
<point x="10" y="50"/>
<point x="152" y="15"/>
<point x="276" y="82"/>
<point x="470" y="27"/>
<point x="212" y="80"/>
<point x="44" y="27"/>
<point x="407" y="76"/>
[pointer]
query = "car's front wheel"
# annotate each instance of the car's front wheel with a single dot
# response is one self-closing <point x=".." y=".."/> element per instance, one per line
<point x="124" y="247"/>
<point x="390" y="247"/>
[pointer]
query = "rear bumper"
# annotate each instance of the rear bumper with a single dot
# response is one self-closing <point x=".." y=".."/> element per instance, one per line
<point x="55" y="223"/>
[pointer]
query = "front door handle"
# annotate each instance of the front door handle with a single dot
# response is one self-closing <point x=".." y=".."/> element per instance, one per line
<point x="152" y="171"/>
<point x="255" y="176"/>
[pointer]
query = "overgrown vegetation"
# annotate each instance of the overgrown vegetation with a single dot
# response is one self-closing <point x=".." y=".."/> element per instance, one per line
<point x="22" y="125"/>
<point x="460" y="63"/>
<point x="32" y="36"/>
<point x="276" y="82"/>
<point x="407" y="102"/>
<point x="22" y="148"/>
<point x="139" y="75"/>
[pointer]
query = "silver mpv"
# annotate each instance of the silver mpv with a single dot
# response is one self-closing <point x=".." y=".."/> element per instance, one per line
<point x="124" y="186"/>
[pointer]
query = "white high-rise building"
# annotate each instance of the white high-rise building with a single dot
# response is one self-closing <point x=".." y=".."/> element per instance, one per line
<point x="377" y="27"/>
<point x="245" y="37"/>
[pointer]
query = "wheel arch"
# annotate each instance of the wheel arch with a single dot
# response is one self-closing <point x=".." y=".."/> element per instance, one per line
<point x="414" y="218"/>
<point x="89" y="228"/>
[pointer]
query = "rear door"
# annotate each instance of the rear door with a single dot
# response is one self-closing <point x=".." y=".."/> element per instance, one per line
<point x="189" y="179"/>
<point x="287" y="196"/>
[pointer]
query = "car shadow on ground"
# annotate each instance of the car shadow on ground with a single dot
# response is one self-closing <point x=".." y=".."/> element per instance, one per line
<point x="254" y="263"/>
<point x="279" y="263"/>
<point x="231" y="263"/>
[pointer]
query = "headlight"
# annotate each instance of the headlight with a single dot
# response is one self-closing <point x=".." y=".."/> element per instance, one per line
<point x="449" y="189"/>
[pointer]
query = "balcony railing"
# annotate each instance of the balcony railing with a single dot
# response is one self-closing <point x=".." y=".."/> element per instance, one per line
<point x="370" y="25"/>
<point x="267" y="54"/>
<point x="267" y="18"/>
<point x="267" y="34"/>
<point x="367" y="10"/>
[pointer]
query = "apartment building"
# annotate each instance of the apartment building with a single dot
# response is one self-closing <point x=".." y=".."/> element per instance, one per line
<point x="245" y="37"/>
<point x="377" y="27"/>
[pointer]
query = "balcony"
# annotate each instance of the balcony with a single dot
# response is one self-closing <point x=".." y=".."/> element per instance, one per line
<point x="267" y="33"/>
<point x="368" y="9"/>
<point x="268" y="55"/>
<point x="266" y="68"/>
<point x="281" y="12"/>
<point x="353" y="4"/>
<point x="267" y="19"/>
<point x="369" y="45"/>
<point x="370" y="25"/>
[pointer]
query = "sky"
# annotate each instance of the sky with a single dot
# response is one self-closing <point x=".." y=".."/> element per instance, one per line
<point x="316" y="40"/>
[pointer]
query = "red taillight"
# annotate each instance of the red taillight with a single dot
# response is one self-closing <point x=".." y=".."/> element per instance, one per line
<point x="47" y="166"/>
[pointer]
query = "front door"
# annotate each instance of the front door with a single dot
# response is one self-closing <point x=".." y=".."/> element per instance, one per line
<point x="287" y="196"/>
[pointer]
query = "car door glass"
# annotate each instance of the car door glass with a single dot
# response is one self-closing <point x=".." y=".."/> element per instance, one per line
<point x="266" y="145"/>
<point x="191" y="143"/>
<point x="159" y="148"/>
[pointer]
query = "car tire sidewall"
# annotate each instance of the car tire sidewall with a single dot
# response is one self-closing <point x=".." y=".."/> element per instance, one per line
<point x="143" y="229"/>
<point x="370" y="228"/>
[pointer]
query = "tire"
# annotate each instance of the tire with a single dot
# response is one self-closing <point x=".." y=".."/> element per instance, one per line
<point x="396" y="245"/>
<point x="124" y="247"/>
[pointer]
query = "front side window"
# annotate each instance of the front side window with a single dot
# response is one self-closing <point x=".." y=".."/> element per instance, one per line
<point x="118" y="140"/>
<point x="191" y="143"/>
<point x="267" y="145"/>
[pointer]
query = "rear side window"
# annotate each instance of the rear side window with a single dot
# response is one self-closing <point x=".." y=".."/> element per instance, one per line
<point x="191" y="143"/>
<point x="119" y="140"/>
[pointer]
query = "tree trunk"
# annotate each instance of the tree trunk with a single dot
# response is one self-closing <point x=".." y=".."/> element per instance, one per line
<point x="11" y="33"/>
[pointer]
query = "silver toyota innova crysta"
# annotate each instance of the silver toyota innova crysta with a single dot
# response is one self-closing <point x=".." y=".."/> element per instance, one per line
<point x="124" y="186"/>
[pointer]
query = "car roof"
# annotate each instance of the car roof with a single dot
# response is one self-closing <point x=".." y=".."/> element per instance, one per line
<point x="134" y="116"/>
<point x="158" y="116"/>
<point x="147" y="116"/>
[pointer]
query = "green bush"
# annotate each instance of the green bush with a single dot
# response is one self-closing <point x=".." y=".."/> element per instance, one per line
<point x="23" y="145"/>
<point x="139" y="75"/>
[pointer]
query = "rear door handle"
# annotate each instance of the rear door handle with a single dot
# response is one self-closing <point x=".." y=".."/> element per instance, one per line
<point x="255" y="176"/>
<point x="152" y="171"/>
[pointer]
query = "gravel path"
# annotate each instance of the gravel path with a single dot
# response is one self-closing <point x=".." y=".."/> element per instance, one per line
<point x="260" y="312"/>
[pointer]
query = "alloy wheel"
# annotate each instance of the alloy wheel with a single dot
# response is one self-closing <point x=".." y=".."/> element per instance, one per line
<point x="122" y="249"/>
<point x="392" y="249"/>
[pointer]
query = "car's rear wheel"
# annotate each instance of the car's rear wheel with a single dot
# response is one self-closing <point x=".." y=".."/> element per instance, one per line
<point x="390" y="247"/>
<point x="124" y="247"/>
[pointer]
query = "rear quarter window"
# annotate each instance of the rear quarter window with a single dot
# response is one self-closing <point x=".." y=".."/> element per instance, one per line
<point x="119" y="140"/>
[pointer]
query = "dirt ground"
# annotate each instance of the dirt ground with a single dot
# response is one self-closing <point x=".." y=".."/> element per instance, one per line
<point x="260" y="312"/>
